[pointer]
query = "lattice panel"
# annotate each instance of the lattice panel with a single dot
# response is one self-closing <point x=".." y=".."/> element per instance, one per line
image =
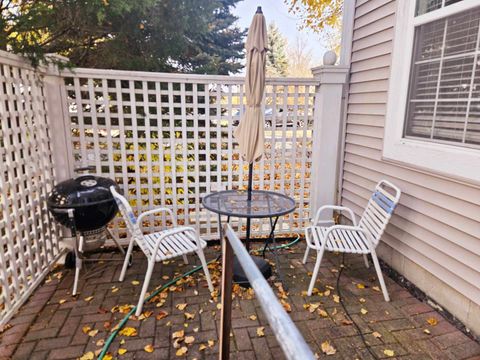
<point x="27" y="240"/>
<point x="168" y="139"/>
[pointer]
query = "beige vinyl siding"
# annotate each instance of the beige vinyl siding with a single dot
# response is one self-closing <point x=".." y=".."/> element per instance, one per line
<point x="437" y="224"/>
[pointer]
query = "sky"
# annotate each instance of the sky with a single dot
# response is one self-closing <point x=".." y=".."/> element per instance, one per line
<point x="277" y="11"/>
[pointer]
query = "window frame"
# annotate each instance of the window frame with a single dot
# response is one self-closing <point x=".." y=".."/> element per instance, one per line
<point x="447" y="159"/>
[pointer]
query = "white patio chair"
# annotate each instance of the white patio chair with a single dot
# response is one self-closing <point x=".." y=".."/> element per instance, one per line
<point x="159" y="246"/>
<point x="357" y="239"/>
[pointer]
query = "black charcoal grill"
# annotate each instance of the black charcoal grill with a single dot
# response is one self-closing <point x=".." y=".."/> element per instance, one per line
<point x="85" y="205"/>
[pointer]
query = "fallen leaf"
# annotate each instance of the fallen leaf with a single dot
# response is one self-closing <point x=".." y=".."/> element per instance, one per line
<point x="362" y="300"/>
<point x="189" y="339"/>
<point x="62" y="301"/>
<point x="336" y="298"/>
<point x="145" y="315"/>
<point x="327" y="348"/>
<point x="161" y="315"/>
<point x="202" y="347"/>
<point x="426" y="331"/>
<point x="195" y="330"/>
<point x="114" y="289"/>
<point x="432" y="321"/>
<point x="260" y="331"/>
<point x="107" y="325"/>
<point x="86" y="329"/>
<point x="100" y="342"/>
<point x="92" y="333"/>
<point x="87" y="299"/>
<point x="360" y="286"/>
<point x="377" y="334"/>
<point x="181" y="307"/>
<point x="363" y="311"/>
<point x="189" y="316"/>
<point x="122" y="351"/>
<point x="178" y="334"/>
<point x="253" y="317"/>
<point x="108" y="356"/>
<point x="322" y="313"/>
<point x="389" y="353"/>
<point x="182" y="351"/>
<point x="347" y="322"/>
<point x="88" y="356"/>
<point x="327" y="293"/>
<point x="376" y="288"/>
<point x="149" y="348"/>
<point x="135" y="282"/>
<point x="219" y="306"/>
<point x="210" y="343"/>
<point x="128" y="331"/>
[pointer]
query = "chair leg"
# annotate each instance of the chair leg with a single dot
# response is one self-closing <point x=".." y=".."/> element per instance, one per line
<point x="380" y="276"/>
<point x="146" y="282"/>
<point x="125" y="262"/>
<point x="365" y="258"/>
<point x="185" y="259"/>
<point x="315" y="271"/>
<point x="205" y="268"/>
<point x="305" y="257"/>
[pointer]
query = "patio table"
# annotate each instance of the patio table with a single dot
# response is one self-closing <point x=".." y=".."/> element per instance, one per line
<point x="263" y="204"/>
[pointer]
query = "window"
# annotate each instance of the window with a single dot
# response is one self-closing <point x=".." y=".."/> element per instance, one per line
<point x="444" y="92"/>
<point x="433" y="108"/>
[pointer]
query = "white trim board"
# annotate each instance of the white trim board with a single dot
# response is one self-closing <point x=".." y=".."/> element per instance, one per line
<point x="445" y="159"/>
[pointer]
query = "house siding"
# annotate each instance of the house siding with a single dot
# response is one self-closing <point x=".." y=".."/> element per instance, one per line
<point x="434" y="236"/>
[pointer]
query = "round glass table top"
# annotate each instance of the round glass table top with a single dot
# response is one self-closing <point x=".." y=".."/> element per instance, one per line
<point x="263" y="204"/>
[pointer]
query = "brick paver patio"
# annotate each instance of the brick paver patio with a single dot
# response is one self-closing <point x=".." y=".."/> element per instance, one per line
<point x="54" y="325"/>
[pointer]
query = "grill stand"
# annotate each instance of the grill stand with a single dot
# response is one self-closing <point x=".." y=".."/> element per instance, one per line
<point x="79" y="251"/>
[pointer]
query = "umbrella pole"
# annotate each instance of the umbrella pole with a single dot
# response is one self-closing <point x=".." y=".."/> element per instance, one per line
<point x="249" y="198"/>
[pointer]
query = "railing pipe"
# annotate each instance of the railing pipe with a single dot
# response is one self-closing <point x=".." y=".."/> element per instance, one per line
<point x="289" y="337"/>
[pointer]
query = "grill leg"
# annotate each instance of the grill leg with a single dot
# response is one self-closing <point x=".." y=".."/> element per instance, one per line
<point x="78" y="267"/>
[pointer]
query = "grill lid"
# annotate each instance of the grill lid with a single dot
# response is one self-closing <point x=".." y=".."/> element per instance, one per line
<point x="82" y="191"/>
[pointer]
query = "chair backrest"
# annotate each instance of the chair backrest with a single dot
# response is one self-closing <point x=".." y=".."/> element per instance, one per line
<point x="379" y="209"/>
<point x="129" y="217"/>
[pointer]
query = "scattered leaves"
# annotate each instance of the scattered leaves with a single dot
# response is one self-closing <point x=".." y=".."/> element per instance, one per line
<point x="202" y="347"/>
<point x="182" y="351"/>
<point x="211" y="343"/>
<point x="100" y="342"/>
<point x="432" y="321"/>
<point x="189" y="316"/>
<point x="253" y="317"/>
<point x="92" y="333"/>
<point x="178" y="334"/>
<point x="135" y="282"/>
<point x="128" y="331"/>
<point x="62" y="301"/>
<point x="149" y="348"/>
<point x="389" y="353"/>
<point x="189" y="339"/>
<point x="426" y="331"/>
<point x="261" y="331"/>
<point x="122" y="351"/>
<point x="327" y="348"/>
<point x="161" y="315"/>
<point x="88" y="356"/>
<point x="360" y="286"/>
<point x="363" y="311"/>
<point x="322" y="313"/>
<point x="88" y="299"/>
<point x="336" y="298"/>
<point x="377" y="334"/>
<point x="376" y="288"/>
<point x="181" y="307"/>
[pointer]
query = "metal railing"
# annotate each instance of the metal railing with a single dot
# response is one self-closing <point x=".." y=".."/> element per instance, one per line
<point x="288" y="336"/>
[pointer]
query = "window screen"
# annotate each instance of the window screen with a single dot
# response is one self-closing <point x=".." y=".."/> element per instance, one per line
<point x="444" y="91"/>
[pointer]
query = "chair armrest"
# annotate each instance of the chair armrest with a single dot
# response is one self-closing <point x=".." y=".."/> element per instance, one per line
<point x="317" y="220"/>
<point x="154" y="211"/>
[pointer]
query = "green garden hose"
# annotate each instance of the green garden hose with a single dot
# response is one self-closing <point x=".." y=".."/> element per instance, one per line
<point x="122" y="323"/>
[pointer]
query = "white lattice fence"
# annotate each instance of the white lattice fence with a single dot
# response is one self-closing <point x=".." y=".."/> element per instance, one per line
<point x="167" y="139"/>
<point x="28" y="244"/>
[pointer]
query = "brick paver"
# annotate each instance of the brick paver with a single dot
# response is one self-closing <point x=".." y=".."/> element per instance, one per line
<point x="55" y="325"/>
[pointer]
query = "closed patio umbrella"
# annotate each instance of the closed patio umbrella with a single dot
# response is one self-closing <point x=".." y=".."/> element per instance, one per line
<point x="249" y="132"/>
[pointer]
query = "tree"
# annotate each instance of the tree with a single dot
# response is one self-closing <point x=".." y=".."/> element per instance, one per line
<point x="277" y="61"/>
<point x="321" y="16"/>
<point x="153" y="35"/>
<point x="300" y="59"/>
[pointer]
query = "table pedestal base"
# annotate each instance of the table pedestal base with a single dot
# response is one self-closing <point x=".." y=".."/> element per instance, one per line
<point x="239" y="276"/>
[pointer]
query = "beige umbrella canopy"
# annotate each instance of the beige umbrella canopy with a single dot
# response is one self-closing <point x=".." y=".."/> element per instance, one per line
<point x="249" y="132"/>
